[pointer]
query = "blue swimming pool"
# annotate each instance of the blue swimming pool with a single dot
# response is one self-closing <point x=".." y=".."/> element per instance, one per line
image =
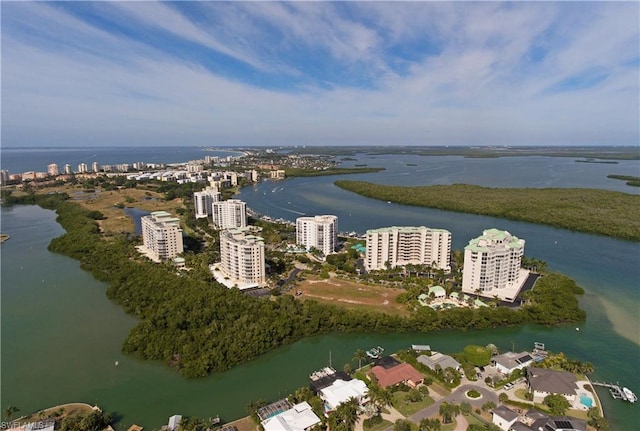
<point x="586" y="401"/>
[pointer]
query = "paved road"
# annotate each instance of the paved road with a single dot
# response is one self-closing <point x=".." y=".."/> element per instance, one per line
<point x="457" y="397"/>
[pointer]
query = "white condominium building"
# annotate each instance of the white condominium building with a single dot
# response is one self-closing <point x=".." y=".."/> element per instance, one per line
<point x="320" y="232"/>
<point x="204" y="200"/>
<point x="242" y="258"/>
<point x="52" y="169"/>
<point x="161" y="235"/>
<point x="229" y="214"/>
<point x="492" y="264"/>
<point x="408" y="245"/>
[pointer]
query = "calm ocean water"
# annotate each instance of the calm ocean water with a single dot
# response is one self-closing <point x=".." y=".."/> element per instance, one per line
<point x="61" y="335"/>
<point x="18" y="160"/>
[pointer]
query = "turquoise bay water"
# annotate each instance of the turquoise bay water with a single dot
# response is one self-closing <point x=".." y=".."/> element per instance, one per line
<point x="61" y="336"/>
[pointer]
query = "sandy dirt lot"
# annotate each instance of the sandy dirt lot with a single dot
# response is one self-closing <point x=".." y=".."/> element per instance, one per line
<point x="352" y="295"/>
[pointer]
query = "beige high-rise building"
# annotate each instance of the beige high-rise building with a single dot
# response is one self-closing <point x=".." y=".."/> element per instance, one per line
<point x="242" y="258"/>
<point x="320" y="232"/>
<point x="399" y="246"/>
<point x="492" y="265"/>
<point x="162" y="235"/>
<point x="229" y="214"/>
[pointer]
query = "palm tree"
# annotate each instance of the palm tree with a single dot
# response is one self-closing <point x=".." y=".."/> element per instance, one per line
<point x="347" y="413"/>
<point x="380" y="397"/>
<point x="359" y="355"/>
<point x="448" y="411"/>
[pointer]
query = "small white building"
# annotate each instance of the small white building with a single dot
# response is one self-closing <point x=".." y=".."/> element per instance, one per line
<point x="504" y="417"/>
<point x="174" y="422"/>
<point x="299" y="418"/>
<point x="342" y="391"/>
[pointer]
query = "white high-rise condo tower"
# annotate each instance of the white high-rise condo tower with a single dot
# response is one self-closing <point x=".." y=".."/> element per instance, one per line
<point x="492" y="265"/>
<point x="162" y="235"/>
<point x="230" y="214"/>
<point x="416" y="245"/>
<point x="242" y="258"/>
<point x="320" y="232"/>
<point x="204" y="200"/>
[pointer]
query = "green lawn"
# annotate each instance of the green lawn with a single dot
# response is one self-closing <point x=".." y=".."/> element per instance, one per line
<point x="470" y="419"/>
<point x="379" y="427"/>
<point x="406" y="407"/>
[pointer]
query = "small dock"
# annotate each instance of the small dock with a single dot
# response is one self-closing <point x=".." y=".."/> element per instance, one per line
<point x="617" y="392"/>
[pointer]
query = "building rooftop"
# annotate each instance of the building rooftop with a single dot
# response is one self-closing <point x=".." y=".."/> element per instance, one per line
<point x="341" y="391"/>
<point x="394" y="375"/>
<point x="557" y="382"/>
<point x="511" y="360"/>
<point x="505" y="413"/>
<point x="445" y="361"/>
<point x="298" y="418"/>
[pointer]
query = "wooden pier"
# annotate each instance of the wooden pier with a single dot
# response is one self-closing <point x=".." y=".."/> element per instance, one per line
<point x="616" y="391"/>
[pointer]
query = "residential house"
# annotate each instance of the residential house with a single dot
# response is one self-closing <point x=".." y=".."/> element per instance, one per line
<point x="299" y="418"/>
<point x="509" y="362"/>
<point x="543" y="382"/>
<point x="504" y="417"/>
<point x="437" y="358"/>
<point x="400" y="373"/>
<point x="341" y="391"/>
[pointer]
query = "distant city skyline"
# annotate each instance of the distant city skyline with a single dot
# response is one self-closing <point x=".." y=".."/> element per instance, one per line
<point x="82" y="74"/>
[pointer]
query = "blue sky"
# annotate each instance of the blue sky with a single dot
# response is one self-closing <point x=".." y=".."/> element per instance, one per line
<point x="320" y="73"/>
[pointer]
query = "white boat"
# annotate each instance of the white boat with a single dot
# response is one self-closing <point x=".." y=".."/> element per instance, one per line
<point x="631" y="397"/>
<point x="375" y="353"/>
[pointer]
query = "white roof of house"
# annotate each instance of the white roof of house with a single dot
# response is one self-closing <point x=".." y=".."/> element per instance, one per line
<point x="341" y="391"/>
<point x="298" y="418"/>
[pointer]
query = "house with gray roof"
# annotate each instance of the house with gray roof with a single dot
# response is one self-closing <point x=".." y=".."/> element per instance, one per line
<point x="504" y="417"/>
<point x="543" y="382"/>
<point x="445" y="361"/>
<point x="534" y="420"/>
<point x="509" y="362"/>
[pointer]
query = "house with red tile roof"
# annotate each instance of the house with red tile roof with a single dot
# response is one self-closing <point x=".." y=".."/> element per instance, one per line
<point x="401" y="373"/>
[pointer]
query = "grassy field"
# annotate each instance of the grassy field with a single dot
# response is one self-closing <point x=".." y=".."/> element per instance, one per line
<point x="406" y="407"/>
<point x="116" y="220"/>
<point x="352" y="295"/>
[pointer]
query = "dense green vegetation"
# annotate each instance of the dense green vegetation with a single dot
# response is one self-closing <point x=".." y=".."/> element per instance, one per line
<point x="631" y="180"/>
<point x="606" y="153"/>
<point x="199" y="327"/>
<point x="298" y="172"/>
<point x="586" y="210"/>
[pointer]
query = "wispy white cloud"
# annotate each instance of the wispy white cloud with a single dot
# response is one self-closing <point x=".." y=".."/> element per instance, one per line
<point x="321" y="73"/>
